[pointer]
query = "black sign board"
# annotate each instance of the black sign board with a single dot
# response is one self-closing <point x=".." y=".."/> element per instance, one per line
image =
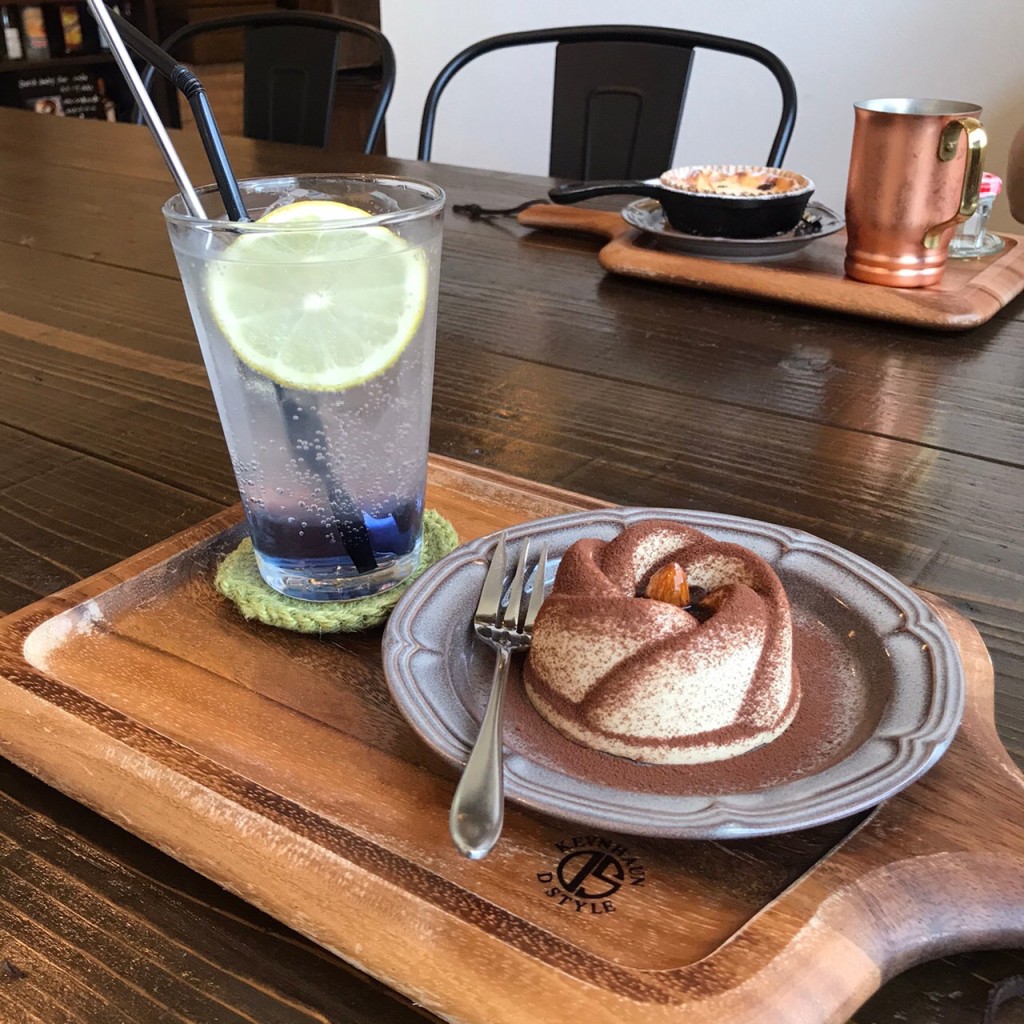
<point x="68" y="94"/>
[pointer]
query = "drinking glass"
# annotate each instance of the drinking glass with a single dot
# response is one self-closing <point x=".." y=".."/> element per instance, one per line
<point x="317" y="329"/>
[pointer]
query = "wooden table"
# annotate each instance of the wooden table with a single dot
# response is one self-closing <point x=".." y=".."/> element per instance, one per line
<point x="904" y="446"/>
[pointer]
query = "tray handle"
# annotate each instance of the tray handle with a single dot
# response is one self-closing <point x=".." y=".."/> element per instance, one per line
<point x="604" y="223"/>
<point x="938" y="869"/>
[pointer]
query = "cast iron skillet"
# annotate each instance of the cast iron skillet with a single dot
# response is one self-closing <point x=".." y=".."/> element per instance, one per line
<point x="704" y="213"/>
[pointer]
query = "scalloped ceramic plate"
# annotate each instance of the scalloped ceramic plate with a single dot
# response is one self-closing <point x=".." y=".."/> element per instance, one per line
<point x="647" y="215"/>
<point x="895" y="684"/>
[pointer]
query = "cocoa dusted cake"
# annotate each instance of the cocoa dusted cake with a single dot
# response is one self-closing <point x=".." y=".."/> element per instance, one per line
<point x="664" y="646"/>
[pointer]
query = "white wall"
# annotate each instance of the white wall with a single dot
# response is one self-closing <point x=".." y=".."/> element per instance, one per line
<point x="496" y="112"/>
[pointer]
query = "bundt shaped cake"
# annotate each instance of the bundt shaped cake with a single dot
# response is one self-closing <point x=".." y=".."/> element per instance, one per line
<point x="618" y="664"/>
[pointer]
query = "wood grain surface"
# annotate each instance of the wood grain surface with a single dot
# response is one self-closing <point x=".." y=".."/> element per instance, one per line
<point x="903" y="445"/>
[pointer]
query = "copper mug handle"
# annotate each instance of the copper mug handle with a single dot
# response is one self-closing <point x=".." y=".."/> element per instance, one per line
<point x="949" y="143"/>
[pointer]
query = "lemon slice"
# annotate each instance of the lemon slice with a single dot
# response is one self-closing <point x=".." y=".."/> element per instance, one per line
<point x="312" y="210"/>
<point x="316" y="307"/>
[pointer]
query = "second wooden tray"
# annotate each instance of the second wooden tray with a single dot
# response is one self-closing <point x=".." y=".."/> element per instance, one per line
<point x="971" y="291"/>
<point x="277" y="765"/>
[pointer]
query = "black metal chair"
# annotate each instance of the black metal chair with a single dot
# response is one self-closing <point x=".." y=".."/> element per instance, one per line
<point x="618" y="96"/>
<point x="290" y="72"/>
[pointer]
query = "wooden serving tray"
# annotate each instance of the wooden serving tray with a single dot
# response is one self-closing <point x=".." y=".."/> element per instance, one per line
<point x="970" y="293"/>
<point x="277" y="765"/>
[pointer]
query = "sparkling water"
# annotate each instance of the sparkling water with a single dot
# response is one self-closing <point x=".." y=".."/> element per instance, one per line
<point x="332" y="481"/>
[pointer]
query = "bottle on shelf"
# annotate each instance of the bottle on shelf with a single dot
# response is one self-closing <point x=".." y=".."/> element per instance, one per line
<point x="33" y="32"/>
<point x="107" y="109"/>
<point x="94" y="34"/>
<point x="10" y="22"/>
<point x="72" y="38"/>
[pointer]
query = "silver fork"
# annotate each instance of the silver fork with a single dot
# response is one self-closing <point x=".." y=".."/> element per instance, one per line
<point x="504" y="621"/>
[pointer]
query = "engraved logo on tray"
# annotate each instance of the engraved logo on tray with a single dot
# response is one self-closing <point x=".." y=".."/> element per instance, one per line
<point x="591" y="870"/>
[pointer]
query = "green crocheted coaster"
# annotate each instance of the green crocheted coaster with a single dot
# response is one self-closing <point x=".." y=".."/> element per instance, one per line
<point x="238" y="578"/>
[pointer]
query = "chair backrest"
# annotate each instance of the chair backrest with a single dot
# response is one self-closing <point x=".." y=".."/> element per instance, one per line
<point x="290" y="68"/>
<point x="618" y="96"/>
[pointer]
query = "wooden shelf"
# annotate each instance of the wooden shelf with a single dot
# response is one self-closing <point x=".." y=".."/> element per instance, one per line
<point x="76" y="60"/>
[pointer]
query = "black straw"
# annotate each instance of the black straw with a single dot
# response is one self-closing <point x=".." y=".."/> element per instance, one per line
<point x="301" y="421"/>
<point x="185" y="80"/>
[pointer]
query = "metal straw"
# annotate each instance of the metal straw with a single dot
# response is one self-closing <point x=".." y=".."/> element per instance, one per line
<point x="186" y="81"/>
<point x="131" y="74"/>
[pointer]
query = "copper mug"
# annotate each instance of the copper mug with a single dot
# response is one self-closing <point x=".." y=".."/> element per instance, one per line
<point x="911" y="182"/>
